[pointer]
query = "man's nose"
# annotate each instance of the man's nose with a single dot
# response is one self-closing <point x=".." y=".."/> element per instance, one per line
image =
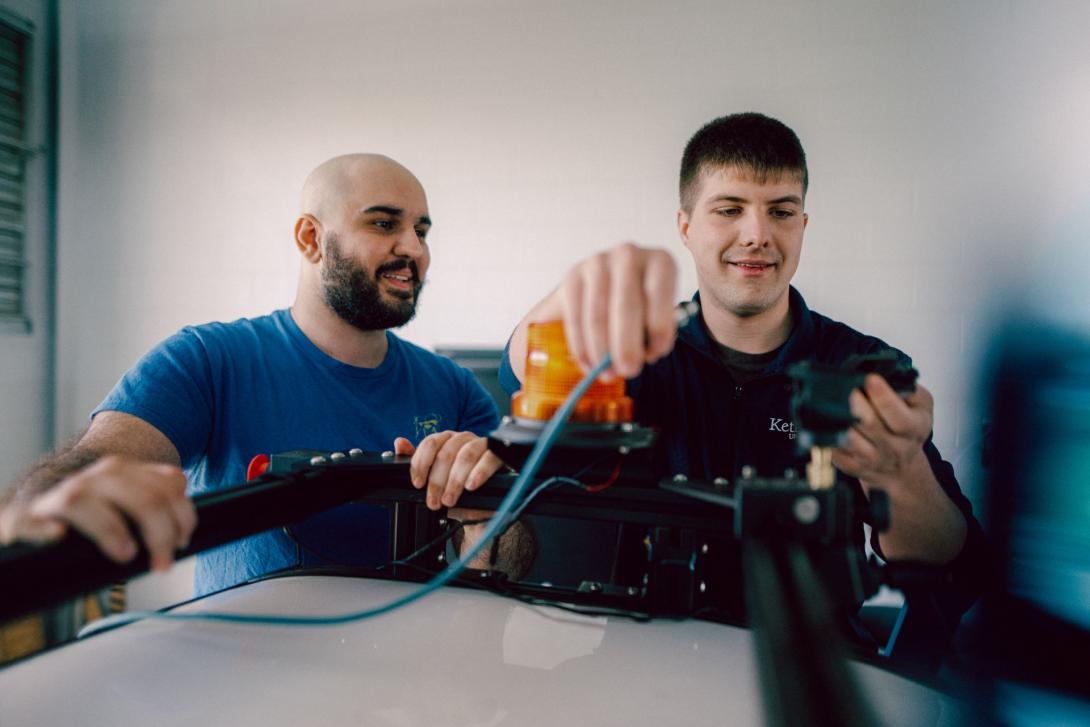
<point x="755" y="230"/>
<point x="409" y="244"/>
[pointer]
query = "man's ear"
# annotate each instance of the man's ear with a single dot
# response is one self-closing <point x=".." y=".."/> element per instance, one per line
<point x="683" y="225"/>
<point x="308" y="236"/>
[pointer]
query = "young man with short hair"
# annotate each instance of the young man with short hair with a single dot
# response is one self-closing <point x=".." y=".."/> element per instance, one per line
<point x="717" y="388"/>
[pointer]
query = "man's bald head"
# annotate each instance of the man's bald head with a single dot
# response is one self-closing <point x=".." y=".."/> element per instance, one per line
<point x="332" y="190"/>
<point x="361" y="231"/>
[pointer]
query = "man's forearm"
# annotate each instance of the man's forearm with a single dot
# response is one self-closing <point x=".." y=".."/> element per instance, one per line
<point x="110" y="433"/>
<point x="925" y="524"/>
<point x="48" y="472"/>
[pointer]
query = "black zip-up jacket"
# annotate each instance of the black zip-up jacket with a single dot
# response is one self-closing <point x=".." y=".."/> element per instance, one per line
<point x="711" y="427"/>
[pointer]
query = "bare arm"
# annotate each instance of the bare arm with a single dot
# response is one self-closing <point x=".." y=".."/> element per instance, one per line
<point x="122" y="470"/>
<point x="111" y="432"/>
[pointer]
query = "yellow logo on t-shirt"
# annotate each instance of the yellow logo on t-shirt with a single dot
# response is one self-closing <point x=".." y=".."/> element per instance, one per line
<point x="427" y="424"/>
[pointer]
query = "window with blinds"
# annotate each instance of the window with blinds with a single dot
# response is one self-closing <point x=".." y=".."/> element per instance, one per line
<point x="14" y="46"/>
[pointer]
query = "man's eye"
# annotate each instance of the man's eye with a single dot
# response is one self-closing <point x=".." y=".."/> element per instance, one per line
<point x="729" y="211"/>
<point x="384" y="224"/>
<point x="783" y="214"/>
<point x="421" y="233"/>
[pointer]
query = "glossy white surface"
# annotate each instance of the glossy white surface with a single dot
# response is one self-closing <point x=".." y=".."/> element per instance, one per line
<point x="459" y="657"/>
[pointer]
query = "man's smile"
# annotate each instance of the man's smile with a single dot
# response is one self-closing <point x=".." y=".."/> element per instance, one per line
<point x="399" y="281"/>
<point x="752" y="268"/>
<point x="402" y="277"/>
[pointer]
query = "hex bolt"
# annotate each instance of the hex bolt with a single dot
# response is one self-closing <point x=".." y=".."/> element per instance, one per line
<point x="806" y="509"/>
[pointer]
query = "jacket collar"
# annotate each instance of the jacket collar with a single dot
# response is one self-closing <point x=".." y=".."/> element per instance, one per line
<point x="798" y="346"/>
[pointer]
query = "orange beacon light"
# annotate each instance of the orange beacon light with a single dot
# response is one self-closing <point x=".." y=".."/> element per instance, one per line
<point x="601" y="428"/>
<point x="550" y="376"/>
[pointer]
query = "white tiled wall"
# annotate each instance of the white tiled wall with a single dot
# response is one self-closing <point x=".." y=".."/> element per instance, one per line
<point x="948" y="147"/>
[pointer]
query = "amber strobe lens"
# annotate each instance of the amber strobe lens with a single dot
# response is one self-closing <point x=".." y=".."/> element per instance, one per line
<point x="550" y="376"/>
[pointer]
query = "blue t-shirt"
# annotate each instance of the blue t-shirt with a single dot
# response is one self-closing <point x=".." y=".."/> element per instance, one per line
<point x="225" y="392"/>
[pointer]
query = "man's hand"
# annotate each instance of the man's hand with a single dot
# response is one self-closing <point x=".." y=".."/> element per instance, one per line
<point x="884" y="450"/>
<point x="448" y="463"/>
<point x="885" y="446"/>
<point x="99" y="499"/>
<point x="619" y="302"/>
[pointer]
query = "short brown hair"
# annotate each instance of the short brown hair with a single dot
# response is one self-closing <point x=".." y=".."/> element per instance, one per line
<point x="748" y="140"/>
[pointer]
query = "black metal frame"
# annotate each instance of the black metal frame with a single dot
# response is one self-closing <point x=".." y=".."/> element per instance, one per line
<point x="800" y="660"/>
<point x="34" y="577"/>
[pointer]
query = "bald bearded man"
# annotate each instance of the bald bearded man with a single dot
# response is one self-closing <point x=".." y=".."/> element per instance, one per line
<point x="325" y="374"/>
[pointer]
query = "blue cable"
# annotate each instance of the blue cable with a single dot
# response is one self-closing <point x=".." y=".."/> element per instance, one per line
<point x="499" y="519"/>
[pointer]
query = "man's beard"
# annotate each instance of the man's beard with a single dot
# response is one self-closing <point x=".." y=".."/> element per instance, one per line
<point x="354" y="294"/>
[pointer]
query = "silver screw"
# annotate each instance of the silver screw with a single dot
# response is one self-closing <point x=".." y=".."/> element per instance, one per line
<point x="703" y="586"/>
<point x="315" y="461"/>
<point x="387" y="454"/>
<point x="338" y="456"/>
<point x="506" y="420"/>
<point x="623" y="450"/>
<point x="704" y="549"/>
<point x="442" y="522"/>
<point x="355" y="452"/>
<point x="632" y="590"/>
<point x="442" y="557"/>
<point x="680" y="478"/>
<point x="594" y="586"/>
<point x="628" y="427"/>
<point x="748" y="472"/>
<point x="721" y="482"/>
<point x="790" y="473"/>
<point x="806" y="509"/>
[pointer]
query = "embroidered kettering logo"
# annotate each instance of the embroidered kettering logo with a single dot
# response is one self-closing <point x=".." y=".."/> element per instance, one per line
<point x="427" y="424"/>
<point x="776" y="424"/>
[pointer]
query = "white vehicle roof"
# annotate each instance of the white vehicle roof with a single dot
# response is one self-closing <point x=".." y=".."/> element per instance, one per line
<point x="457" y="657"/>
